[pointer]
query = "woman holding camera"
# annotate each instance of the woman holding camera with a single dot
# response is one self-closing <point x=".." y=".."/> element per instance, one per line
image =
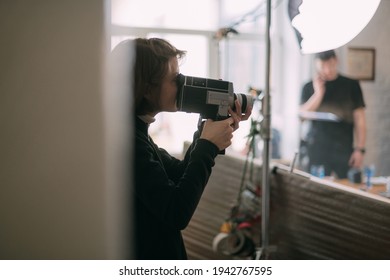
<point x="167" y="190"/>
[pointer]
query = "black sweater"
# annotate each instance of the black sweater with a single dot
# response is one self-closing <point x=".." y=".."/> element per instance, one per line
<point x="167" y="192"/>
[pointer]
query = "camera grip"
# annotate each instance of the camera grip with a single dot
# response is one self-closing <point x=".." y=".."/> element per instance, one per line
<point x="201" y="122"/>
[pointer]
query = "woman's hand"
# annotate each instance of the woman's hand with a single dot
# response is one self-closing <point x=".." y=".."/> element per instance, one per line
<point x="237" y="115"/>
<point x="220" y="133"/>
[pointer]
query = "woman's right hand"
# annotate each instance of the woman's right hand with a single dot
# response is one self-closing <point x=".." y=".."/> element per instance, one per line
<point x="220" y="133"/>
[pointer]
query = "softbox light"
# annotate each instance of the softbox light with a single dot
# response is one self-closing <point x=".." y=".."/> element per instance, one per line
<point x="322" y="25"/>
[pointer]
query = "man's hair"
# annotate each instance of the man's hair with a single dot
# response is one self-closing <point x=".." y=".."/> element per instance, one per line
<point x="326" y="55"/>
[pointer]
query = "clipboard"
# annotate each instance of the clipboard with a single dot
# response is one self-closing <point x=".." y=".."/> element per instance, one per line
<point x="319" y="116"/>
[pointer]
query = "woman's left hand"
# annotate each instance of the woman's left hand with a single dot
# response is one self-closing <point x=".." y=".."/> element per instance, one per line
<point x="238" y="116"/>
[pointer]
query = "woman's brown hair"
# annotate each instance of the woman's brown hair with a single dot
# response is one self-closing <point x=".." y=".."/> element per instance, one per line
<point x="151" y="64"/>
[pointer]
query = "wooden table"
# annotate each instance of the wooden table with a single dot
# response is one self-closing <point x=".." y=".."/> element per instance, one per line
<point x="374" y="189"/>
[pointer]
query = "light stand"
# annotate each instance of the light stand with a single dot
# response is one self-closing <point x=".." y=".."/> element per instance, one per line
<point x="264" y="250"/>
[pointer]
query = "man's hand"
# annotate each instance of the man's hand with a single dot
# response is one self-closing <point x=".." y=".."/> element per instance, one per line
<point x="319" y="86"/>
<point x="356" y="159"/>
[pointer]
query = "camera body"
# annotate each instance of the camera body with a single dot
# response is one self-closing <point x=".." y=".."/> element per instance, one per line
<point x="209" y="97"/>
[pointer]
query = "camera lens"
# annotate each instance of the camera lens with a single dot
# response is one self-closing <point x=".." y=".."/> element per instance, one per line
<point x="246" y="101"/>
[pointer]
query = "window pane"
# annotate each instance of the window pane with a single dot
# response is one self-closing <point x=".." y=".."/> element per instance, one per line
<point x="240" y="59"/>
<point x="245" y="16"/>
<point x="178" y="14"/>
<point x="244" y="66"/>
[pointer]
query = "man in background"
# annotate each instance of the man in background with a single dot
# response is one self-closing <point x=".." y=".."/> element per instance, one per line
<point x="337" y="144"/>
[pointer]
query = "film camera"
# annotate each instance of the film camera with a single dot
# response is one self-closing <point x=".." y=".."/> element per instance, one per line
<point x="208" y="97"/>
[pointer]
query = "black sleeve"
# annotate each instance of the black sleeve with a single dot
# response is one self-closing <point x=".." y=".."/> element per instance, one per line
<point x="358" y="100"/>
<point x="174" y="167"/>
<point x="173" y="203"/>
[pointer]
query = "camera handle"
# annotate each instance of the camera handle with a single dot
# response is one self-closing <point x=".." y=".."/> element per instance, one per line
<point x="200" y="128"/>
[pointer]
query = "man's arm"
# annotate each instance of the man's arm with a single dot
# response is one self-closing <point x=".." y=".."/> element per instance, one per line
<point x="359" y="117"/>
<point x="315" y="100"/>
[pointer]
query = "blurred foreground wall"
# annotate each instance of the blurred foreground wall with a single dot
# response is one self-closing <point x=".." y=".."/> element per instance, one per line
<point x="59" y="196"/>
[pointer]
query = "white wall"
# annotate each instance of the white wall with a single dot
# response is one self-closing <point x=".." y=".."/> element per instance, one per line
<point x="53" y="159"/>
<point x="377" y="92"/>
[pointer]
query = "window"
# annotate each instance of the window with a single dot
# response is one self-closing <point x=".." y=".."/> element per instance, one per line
<point x="238" y="59"/>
